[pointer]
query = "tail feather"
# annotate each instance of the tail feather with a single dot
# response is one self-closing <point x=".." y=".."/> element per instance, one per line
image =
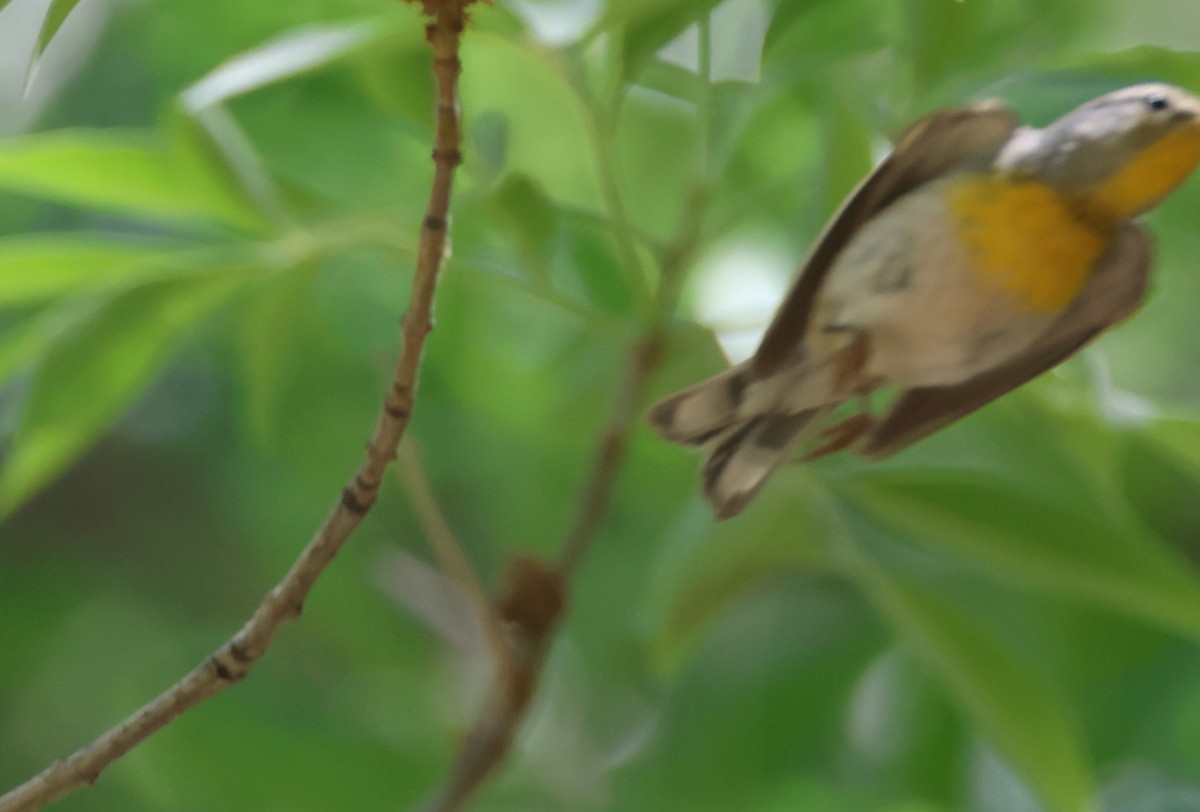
<point x="741" y="462"/>
<point x="701" y="413"/>
<point x="749" y="426"/>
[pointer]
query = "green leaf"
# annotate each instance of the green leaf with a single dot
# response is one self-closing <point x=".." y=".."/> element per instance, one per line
<point x="655" y="25"/>
<point x="1177" y="436"/>
<point x="1028" y="721"/>
<point x="808" y="794"/>
<point x="944" y="35"/>
<point x="847" y="149"/>
<point x="1160" y="470"/>
<point x="818" y="36"/>
<point x="950" y="42"/>
<point x="591" y="255"/>
<point x="20" y="345"/>
<point x="93" y="371"/>
<point x="623" y="13"/>
<point x="548" y="126"/>
<point x="131" y="172"/>
<point x="212" y="147"/>
<point x="489" y="137"/>
<point x="1057" y="544"/>
<point x="767" y="152"/>
<point x="386" y="73"/>
<point x="787" y="13"/>
<point x="1136" y="63"/>
<point x="268" y="326"/>
<point x="657" y="147"/>
<point x="41" y="267"/>
<point x="56" y="15"/>
<point x="214" y="138"/>
<point x="521" y="203"/>
<point x="291" y="55"/>
<point x="674" y="80"/>
<point x="904" y="721"/>
<point x="703" y="568"/>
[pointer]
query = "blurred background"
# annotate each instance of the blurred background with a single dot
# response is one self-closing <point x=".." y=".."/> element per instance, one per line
<point x="208" y="212"/>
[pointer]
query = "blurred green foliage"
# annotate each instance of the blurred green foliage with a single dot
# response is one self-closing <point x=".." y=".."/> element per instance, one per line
<point x="208" y="211"/>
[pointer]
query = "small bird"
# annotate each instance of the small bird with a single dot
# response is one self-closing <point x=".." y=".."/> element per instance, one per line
<point x="977" y="255"/>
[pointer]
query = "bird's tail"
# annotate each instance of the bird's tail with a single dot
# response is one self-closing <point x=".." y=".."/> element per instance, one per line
<point x="747" y="434"/>
<point x="703" y="412"/>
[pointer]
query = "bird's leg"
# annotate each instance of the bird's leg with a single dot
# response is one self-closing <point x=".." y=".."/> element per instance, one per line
<point x="842" y="435"/>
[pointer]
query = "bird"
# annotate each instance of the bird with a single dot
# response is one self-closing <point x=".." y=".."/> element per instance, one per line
<point x="978" y="254"/>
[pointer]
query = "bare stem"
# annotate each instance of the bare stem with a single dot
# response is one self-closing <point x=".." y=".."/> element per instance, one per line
<point x="643" y="361"/>
<point x="235" y="658"/>
<point x="449" y="551"/>
<point x="535" y="594"/>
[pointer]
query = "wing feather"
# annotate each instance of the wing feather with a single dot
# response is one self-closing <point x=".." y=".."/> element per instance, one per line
<point x="934" y="145"/>
<point x="1114" y="292"/>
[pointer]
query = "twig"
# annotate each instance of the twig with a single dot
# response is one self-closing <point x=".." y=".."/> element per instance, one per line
<point x="535" y="595"/>
<point x="644" y="359"/>
<point x="645" y="356"/>
<point x="451" y="557"/>
<point x="234" y="659"/>
<point x="531" y="603"/>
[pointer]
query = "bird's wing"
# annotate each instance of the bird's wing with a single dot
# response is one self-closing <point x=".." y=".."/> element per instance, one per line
<point x="1114" y="292"/>
<point x="934" y="145"/>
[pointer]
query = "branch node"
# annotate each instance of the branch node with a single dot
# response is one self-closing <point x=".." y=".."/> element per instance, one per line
<point x="533" y="598"/>
<point x="381" y="456"/>
<point x="652" y="350"/>
<point x="224" y="672"/>
<point x="450" y="157"/>
<point x="403" y="391"/>
<point x="352" y="503"/>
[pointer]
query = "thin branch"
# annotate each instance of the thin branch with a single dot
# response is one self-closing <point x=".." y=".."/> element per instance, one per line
<point x="449" y="551"/>
<point x="645" y="357"/>
<point x="643" y="362"/>
<point x="531" y="604"/>
<point x="602" y="134"/>
<point x="234" y="659"/>
<point x="534" y="596"/>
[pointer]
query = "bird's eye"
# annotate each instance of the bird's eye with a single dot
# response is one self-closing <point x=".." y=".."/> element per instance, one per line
<point x="1158" y="101"/>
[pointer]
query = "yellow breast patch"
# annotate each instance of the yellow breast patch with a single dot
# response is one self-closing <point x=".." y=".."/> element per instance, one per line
<point x="1024" y="238"/>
